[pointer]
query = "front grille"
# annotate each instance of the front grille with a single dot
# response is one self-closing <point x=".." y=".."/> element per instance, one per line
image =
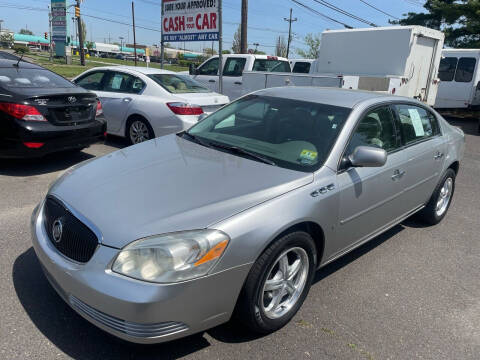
<point x="72" y="238"/>
<point x="127" y="327"/>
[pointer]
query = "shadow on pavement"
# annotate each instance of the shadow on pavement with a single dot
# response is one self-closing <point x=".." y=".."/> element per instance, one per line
<point x="72" y="334"/>
<point x="44" y="165"/>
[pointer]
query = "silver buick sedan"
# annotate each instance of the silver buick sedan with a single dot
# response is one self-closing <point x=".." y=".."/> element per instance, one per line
<point x="232" y="217"/>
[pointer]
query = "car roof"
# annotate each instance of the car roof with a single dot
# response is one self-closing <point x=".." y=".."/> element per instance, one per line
<point x="4" y="63"/>
<point x="135" y="69"/>
<point x="326" y="95"/>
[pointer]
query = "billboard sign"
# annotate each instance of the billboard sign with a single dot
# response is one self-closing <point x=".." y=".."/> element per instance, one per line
<point x="190" y="20"/>
<point x="59" y="20"/>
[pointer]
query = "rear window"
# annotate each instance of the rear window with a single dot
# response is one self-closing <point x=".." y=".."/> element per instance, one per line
<point x="177" y="84"/>
<point x="271" y="65"/>
<point x="16" y="79"/>
<point x="465" y="69"/>
<point x="301" y="67"/>
<point x="446" y="70"/>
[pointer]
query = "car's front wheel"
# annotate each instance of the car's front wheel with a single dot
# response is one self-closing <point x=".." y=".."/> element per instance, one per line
<point x="139" y="130"/>
<point x="278" y="283"/>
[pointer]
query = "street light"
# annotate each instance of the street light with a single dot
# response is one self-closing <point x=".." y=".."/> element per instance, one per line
<point x="256" y="46"/>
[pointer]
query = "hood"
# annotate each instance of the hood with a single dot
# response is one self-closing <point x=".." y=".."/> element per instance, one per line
<point x="204" y="99"/>
<point x="168" y="184"/>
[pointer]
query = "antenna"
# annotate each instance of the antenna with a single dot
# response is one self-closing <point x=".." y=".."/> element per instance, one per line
<point x="18" y="62"/>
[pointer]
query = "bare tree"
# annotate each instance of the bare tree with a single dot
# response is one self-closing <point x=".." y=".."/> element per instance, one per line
<point x="281" y="46"/>
<point x="313" y="47"/>
<point x="236" y="41"/>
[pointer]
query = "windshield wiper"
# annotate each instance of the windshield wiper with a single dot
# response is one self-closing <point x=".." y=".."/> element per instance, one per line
<point x="196" y="139"/>
<point x="240" y="150"/>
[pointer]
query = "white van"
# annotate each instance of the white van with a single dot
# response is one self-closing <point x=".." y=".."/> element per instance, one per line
<point x="459" y="74"/>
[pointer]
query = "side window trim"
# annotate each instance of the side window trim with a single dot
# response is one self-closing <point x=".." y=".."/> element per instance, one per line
<point x="404" y="145"/>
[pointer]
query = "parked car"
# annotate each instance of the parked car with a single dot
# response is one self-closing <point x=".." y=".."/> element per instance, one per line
<point x="120" y="57"/>
<point x="234" y="65"/>
<point x="41" y="112"/>
<point x="235" y="215"/>
<point x="143" y="103"/>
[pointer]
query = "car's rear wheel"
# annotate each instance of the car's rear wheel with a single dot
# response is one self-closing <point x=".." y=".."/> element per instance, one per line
<point x="278" y="283"/>
<point x="438" y="205"/>
<point x="139" y="130"/>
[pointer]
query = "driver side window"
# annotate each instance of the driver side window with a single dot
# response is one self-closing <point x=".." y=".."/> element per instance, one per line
<point x="209" y="68"/>
<point x="376" y="129"/>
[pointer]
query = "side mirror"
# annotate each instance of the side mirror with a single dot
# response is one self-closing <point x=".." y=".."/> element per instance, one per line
<point x="192" y="69"/>
<point x="367" y="156"/>
<point x="202" y="116"/>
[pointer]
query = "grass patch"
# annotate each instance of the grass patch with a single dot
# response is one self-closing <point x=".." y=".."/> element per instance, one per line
<point x="70" y="71"/>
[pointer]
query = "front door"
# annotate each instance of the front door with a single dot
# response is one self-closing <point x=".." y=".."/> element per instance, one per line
<point x="232" y="77"/>
<point x="370" y="198"/>
<point x="207" y="74"/>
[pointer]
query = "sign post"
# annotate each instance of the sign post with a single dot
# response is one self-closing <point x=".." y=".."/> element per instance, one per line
<point x="59" y="26"/>
<point x="185" y="20"/>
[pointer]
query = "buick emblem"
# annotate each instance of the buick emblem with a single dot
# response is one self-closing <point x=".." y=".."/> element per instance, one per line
<point x="57" y="230"/>
<point x="72" y="99"/>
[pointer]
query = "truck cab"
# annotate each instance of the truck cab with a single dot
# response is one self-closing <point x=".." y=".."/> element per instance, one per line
<point x="233" y="67"/>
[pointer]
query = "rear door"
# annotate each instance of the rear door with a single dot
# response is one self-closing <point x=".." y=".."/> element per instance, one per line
<point x="119" y="91"/>
<point x="370" y="198"/>
<point x="422" y="58"/>
<point x="425" y="148"/>
<point x="458" y="82"/>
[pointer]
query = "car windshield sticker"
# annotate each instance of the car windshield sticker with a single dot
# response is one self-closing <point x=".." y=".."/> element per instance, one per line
<point x="416" y="122"/>
<point x="308" y="156"/>
<point x="117" y="82"/>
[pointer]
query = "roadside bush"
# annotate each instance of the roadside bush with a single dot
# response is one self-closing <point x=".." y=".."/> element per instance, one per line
<point x="19" y="49"/>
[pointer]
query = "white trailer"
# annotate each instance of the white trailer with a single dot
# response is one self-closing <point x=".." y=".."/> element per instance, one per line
<point x="400" y="60"/>
<point x="459" y="75"/>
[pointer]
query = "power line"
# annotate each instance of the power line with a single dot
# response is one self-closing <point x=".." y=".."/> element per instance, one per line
<point x="344" y="12"/>
<point x="322" y="15"/>
<point x="383" y="12"/>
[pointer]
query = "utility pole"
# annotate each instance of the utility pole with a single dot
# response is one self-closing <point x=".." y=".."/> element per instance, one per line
<point x="290" y="20"/>
<point x="50" y="32"/>
<point x="80" y="34"/>
<point x="162" y="44"/>
<point x="134" y="39"/>
<point x="243" y="28"/>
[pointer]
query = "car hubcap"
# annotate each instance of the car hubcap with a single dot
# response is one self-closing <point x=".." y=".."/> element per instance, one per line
<point x="285" y="282"/>
<point x="444" y="197"/>
<point x="139" y="132"/>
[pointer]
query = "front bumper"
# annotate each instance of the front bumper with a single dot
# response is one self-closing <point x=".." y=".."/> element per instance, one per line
<point x="134" y="310"/>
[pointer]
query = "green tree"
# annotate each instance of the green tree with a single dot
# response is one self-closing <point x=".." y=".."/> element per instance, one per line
<point x="6" y="39"/>
<point x="313" y="47"/>
<point x="20" y="49"/>
<point x="458" y="19"/>
<point x="25" y="32"/>
<point x="84" y="32"/>
<point x="226" y="51"/>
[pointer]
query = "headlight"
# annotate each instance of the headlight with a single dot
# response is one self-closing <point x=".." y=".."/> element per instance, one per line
<point x="172" y="257"/>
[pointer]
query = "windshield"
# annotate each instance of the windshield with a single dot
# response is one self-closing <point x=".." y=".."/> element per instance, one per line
<point x="293" y="134"/>
<point x="177" y="84"/>
<point x="17" y="78"/>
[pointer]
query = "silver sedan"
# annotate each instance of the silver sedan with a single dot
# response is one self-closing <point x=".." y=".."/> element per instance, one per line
<point x="231" y="218"/>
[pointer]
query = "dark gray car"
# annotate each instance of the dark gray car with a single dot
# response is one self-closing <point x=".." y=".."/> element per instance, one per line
<point x="232" y="217"/>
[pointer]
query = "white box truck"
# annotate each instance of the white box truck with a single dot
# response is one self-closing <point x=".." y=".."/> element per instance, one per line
<point x="400" y="60"/>
<point x="459" y="75"/>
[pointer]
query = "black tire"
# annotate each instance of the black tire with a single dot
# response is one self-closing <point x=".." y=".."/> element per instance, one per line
<point x="134" y="122"/>
<point x="250" y="310"/>
<point x="429" y="213"/>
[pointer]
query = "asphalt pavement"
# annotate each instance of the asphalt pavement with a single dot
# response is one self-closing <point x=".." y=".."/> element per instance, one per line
<point x="413" y="292"/>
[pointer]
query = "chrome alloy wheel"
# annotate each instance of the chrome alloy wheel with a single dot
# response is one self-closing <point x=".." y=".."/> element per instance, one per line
<point x="285" y="282"/>
<point x="444" y="197"/>
<point x="139" y="132"/>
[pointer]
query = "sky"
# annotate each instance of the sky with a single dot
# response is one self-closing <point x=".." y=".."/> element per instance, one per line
<point x="265" y="19"/>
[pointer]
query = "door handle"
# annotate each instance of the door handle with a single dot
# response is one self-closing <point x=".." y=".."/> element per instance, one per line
<point x="238" y="83"/>
<point x="397" y="174"/>
<point x="211" y="80"/>
<point x="127" y="99"/>
<point x="438" y="155"/>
